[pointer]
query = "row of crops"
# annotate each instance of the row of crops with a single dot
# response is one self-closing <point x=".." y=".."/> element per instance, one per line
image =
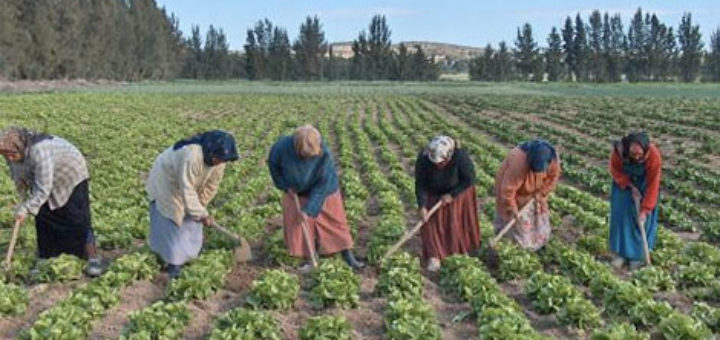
<point x="568" y="290"/>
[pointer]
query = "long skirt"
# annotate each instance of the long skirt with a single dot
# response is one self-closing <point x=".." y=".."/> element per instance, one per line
<point x="330" y="228"/>
<point x="625" y="237"/>
<point x="175" y="245"/>
<point x="453" y="229"/>
<point x="67" y="229"/>
<point x="533" y="229"/>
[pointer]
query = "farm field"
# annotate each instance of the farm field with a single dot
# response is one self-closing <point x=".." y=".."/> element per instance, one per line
<point x="566" y="291"/>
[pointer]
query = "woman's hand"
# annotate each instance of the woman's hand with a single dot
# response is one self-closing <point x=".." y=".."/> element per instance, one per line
<point x="207" y="221"/>
<point x="423" y="214"/>
<point x="635" y="192"/>
<point x="447" y="199"/>
<point x="20" y="218"/>
<point x="642" y="218"/>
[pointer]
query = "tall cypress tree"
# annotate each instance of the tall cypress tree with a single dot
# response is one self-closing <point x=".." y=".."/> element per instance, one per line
<point x="279" y="58"/>
<point x="253" y="57"/>
<point x="526" y="52"/>
<point x="691" y="47"/>
<point x="194" y="64"/>
<point x="635" y="49"/>
<point x="581" y="49"/>
<point x="360" y="59"/>
<point x="568" y="35"/>
<point x="379" y="48"/>
<point x="481" y="67"/>
<point x="503" y="63"/>
<point x="402" y="65"/>
<point x="713" y="58"/>
<point x="310" y="48"/>
<point x="554" y="56"/>
<point x="595" y="34"/>
<point x="617" y="42"/>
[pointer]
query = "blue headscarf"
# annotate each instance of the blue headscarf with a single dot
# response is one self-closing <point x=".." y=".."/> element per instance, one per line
<point x="215" y="143"/>
<point x="540" y="154"/>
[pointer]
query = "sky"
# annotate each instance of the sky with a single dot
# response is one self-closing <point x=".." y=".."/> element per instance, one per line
<point x="470" y="22"/>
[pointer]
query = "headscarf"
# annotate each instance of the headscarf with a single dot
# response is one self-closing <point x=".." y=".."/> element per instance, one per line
<point x="19" y="140"/>
<point x="215" y="143"/>
<point x="307" y="141"/>
<point x="540" y="153"/>
<point x="440" y="149"/>
<point x="624" y="144"/>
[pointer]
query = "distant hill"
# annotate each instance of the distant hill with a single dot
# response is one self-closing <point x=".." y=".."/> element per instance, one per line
<point x="441" y="51"/>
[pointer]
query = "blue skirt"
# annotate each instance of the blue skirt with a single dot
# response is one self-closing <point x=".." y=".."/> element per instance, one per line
<point x="175" y="245"/>
<point x="625" y="237"/>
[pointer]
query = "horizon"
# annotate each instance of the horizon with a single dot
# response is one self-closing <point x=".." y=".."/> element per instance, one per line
<point x="424" y="21"/>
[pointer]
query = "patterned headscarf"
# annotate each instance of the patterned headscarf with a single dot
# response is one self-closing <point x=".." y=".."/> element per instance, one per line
<point x="215" y="143"/>
<point x="19" y="140"/>
<point x="307" y="141"/>
<point x="440" y="149"/>
<point x="540" y="154"/>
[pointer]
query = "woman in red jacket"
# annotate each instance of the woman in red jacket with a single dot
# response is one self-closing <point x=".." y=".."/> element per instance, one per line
<point x="635" y="165"/>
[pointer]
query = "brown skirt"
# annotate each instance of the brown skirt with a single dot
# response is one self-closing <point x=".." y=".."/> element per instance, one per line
<point x="454" y="228"/>
<point x="330" y="229"/>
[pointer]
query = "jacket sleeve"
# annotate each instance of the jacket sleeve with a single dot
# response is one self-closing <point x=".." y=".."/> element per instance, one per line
<point x="616" y="170"/>
<point x="210" y="189"/>
<point x="42" y="170"/>
<point x="318" y="192"/>
<point x="190" y="168"/>
<point x="420" y="182"/>
<point x="275" y="166"/>
<point x="466" y="174"/>
<point x="653" y="168"/>
<point x="552" y="179"/>
<point x="514" y="178"/>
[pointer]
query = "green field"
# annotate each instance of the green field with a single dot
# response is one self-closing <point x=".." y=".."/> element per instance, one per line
<point x="567" y="291"/>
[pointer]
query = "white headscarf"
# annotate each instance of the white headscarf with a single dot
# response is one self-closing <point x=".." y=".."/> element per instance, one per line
<point x="440" y="149"/>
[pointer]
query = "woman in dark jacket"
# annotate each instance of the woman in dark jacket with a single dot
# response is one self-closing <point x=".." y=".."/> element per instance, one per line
<point x="444" y="172"/>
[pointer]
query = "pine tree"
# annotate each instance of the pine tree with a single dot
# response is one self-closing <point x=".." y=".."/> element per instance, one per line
<point x="635" y="52"/>
<point x="253" y="57"/>
<point x="581" y="49"/>
<point x="481" y="67"/>
<point x="616" y="42"/>
<point x="691" y="47"/>
<point x="668" y="63"/>
<point x="359" y="68"/>
<point x="216" y="54"/>
<point x="526" y="52"/>
<point x="194" y="64"/>
<point x="503" y="63"/>
<point x="568" y="35"/>
<point x="554" y="56"/>
<point x="379" y="48"/>
<point x="423" y="68"/>
<point x="310" y="48"/>
<point x="596" y="53"/>
<point x="713" y="58"/>
<point x="279" y="59"/>
<point x="402" y="66"/>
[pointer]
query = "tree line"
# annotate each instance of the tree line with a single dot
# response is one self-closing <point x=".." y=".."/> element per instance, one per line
<point x="270" y="54"/>
<point x="137" y="39"/>
<point x="109" y="39"/>
<point x="601" y="50"/>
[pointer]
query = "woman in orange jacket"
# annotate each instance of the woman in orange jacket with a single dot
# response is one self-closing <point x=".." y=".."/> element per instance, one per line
<point x="530" y="171"/>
